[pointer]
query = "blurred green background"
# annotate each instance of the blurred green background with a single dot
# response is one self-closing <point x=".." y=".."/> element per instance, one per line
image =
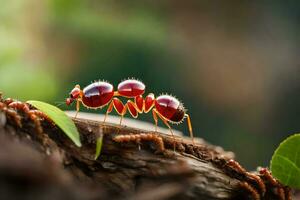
<point x="234" y="65"/>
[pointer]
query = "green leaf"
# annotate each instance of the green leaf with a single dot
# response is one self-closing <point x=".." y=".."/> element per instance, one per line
<point x="285" y="163"/>
<point x="60" y="119"/>
<point x="98" y="146"/>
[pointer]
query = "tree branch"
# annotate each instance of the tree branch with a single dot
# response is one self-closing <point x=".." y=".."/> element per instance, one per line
<point x="139" y="169"/>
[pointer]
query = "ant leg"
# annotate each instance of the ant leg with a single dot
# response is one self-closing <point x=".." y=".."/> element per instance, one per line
<point x="167" y="124"/>
<point x="122" y="109"/>
<point x="190" y="127"/>
<point x="133" y="110"/>
<point x="77" y="108"/>
<point x="123" y="113"/>
<point x="155" y="119"/>
<point x="109" y="109"/>
<point x="119" y="107"/>
<point x="121" y="120"/>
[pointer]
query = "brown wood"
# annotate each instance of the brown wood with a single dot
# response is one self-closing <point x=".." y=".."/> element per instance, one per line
<point x="55" y="168"/>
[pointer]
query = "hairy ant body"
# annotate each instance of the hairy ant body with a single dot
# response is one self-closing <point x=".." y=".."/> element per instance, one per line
<point x="137" y="138"/>
<point x="235" y="166"/>
<point x="34" y="115"/>
<point x="258" y="184"/>
<point x="100" y="94"/>
<point x="284" y="193"/>
<point x="11" y="108"/>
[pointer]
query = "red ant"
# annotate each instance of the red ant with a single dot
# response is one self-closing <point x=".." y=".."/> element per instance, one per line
<point x="101" y="93"/>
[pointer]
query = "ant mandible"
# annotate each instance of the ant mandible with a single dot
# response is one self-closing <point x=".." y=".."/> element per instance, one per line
<point x="101" y="93"/>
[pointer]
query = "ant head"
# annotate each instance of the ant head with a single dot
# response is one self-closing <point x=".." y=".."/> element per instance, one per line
<point x="74" y="94"/>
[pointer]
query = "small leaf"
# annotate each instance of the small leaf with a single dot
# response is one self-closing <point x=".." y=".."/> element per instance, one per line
<point x="285" y="163"/>
<point x="98" y="146"/>
<point x="60" y="119"/>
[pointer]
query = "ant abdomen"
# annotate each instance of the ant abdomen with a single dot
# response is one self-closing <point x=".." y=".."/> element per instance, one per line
<point x="170" y="108"/>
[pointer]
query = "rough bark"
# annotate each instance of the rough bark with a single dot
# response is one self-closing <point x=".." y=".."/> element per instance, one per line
<point x="50" y="166"/>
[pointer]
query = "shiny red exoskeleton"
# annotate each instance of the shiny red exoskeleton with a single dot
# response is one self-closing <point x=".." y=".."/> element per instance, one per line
<point x="101" y="93"/>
